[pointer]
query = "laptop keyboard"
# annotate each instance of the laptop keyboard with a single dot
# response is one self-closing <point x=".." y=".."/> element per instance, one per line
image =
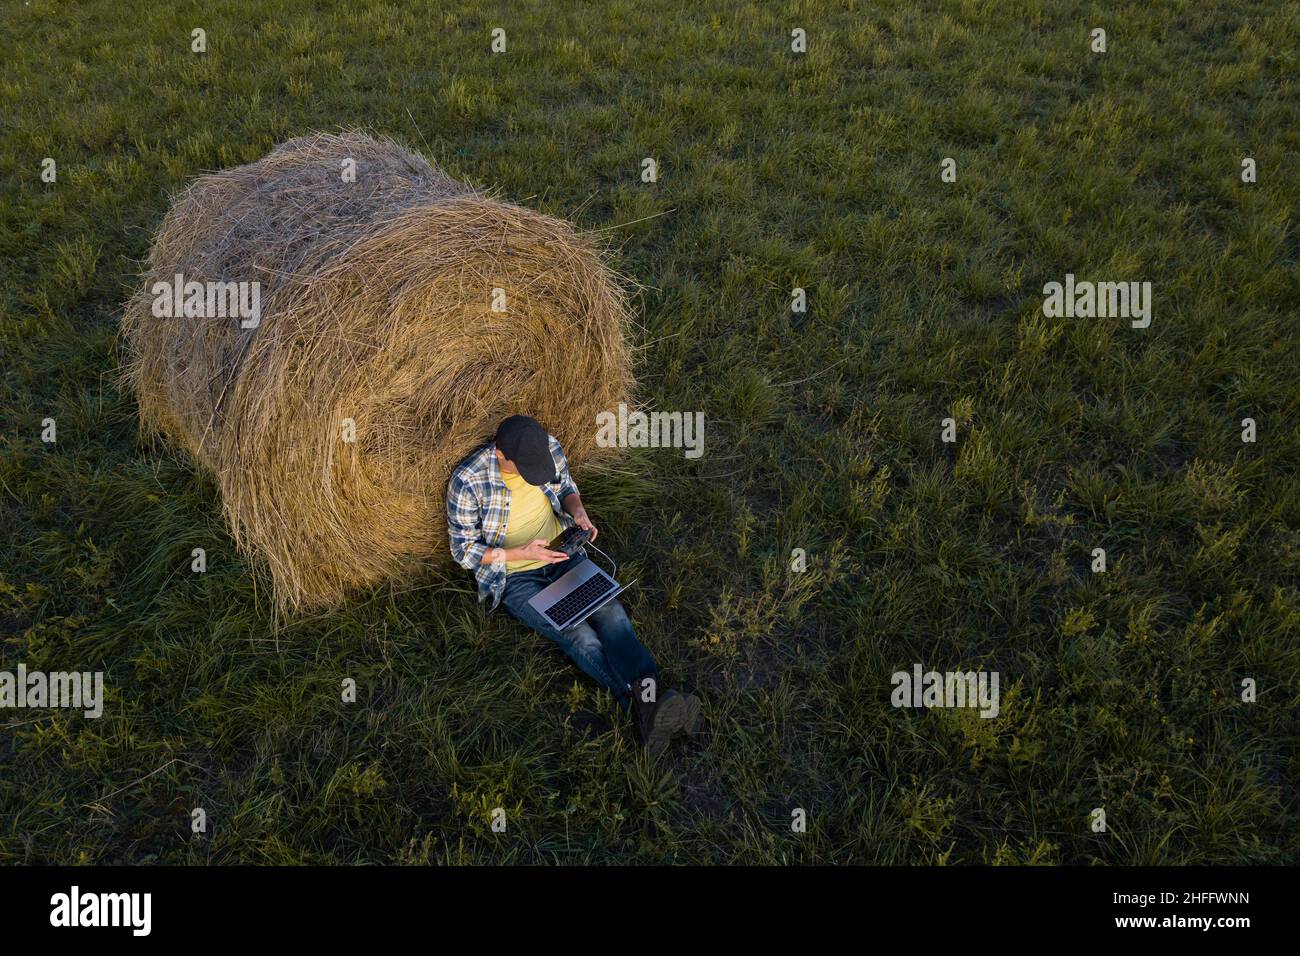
<point x="577" y="601"/>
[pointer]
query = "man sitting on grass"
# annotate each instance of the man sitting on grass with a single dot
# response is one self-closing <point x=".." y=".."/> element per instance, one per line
<point x="505" y="503"/>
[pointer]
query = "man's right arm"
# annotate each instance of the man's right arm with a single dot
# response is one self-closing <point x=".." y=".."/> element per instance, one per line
<point x="465" y="533"/>
<point x="535" y="550"/>
<point x="465" y="525"/>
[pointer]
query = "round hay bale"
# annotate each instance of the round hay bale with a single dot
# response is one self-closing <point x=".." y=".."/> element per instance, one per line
<point x="376" y="309"/>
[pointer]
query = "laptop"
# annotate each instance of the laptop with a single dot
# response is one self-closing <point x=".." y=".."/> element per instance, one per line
<point x="577" y="594"/>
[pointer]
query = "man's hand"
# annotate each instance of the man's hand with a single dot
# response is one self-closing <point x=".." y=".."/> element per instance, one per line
<point x="573" y="505"/>
<point x="581" y="520"/>
<point x="536" y="550"/>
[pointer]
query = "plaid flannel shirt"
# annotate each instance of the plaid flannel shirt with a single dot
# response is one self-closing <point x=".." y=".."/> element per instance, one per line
<point x="478" y="510"/>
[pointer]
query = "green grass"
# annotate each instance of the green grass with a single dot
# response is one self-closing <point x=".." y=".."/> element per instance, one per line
<point x="1120" y="690"/>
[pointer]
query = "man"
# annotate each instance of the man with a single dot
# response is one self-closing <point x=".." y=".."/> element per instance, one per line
<point x="505" y="503"/>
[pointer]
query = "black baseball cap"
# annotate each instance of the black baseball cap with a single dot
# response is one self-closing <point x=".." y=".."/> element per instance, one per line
<point x="525" y="442"/>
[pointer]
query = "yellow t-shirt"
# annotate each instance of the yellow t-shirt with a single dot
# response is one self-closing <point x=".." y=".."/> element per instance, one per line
<point x="531" y="516"/>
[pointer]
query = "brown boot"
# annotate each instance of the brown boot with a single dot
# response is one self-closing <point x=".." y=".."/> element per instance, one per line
<point x="658" y="721"/>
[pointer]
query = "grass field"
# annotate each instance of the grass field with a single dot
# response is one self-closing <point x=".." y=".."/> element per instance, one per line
<point x="1120" y="690"/>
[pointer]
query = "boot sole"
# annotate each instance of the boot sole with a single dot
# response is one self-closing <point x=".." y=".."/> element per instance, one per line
<point x="670" y="717"/>
<point x="691" y="723"/>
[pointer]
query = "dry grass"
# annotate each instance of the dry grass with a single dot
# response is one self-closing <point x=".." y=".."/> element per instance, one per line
<point x="376" y="307"/>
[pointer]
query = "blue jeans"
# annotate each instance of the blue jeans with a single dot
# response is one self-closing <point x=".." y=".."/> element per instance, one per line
<point x="604" y="645"/>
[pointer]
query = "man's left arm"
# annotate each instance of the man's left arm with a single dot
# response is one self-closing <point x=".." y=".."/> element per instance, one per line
<point x="573" y="505"/>
<point x="568" y="493"/>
